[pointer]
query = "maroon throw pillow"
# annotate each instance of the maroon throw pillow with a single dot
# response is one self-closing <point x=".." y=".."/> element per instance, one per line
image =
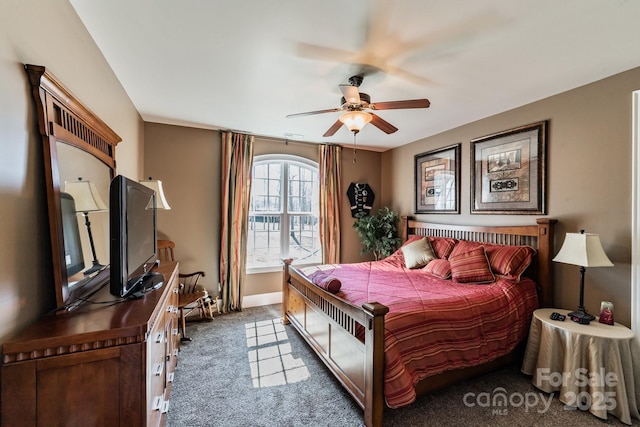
<point x="442" y="246"/>
<point x="471" y="267"/>
<point x="440" y="268"/>
<point x="510" y="261"/>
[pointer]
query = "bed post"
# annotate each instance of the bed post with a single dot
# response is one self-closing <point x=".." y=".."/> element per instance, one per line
<point x="285" y="289"/>
<point x="404" y="228"/>
<point x="374" y="365"/>
<point x="545" y="254"/>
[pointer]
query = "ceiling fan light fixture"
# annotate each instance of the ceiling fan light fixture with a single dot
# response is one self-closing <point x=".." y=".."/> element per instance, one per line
<point x="355" y="120"/>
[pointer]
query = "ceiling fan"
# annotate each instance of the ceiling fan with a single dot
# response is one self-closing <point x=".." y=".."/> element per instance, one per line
<point x="358" y="106"/>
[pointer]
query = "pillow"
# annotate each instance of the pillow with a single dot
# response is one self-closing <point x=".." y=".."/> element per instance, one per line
<point x="510" y="261"/>
<point x="440" y="268"/>
<point x="418" y="253"/>
<point x="442" y="246"/>
<point x="326" y="282"/>
<point x="463" y="246"/>
<point x="471" y="267"/>
<point x="412" y="239"/>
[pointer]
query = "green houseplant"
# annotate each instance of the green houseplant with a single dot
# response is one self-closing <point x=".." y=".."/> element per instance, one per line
<point x="378" y="233"/>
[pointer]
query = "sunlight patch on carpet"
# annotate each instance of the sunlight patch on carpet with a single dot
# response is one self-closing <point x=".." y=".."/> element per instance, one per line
<point x="270" y="358"/>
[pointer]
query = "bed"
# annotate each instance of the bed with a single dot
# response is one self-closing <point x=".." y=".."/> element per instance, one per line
<point x="347" y="329"/>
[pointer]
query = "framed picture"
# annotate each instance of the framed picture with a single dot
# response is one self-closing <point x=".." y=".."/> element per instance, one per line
<point x="508" y="172"/>
<point x="437" y="175"/>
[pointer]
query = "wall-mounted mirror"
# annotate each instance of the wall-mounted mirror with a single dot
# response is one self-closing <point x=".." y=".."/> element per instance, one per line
<point x="79" y="162"/>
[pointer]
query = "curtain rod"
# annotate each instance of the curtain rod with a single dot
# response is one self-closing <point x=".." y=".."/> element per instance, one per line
<point x="285" y="140"/>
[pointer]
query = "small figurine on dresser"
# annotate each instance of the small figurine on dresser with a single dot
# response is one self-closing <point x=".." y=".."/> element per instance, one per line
<point x="606" y="313"/>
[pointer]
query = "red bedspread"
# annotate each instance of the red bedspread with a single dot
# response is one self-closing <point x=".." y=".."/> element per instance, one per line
<point x="435" y="325"/>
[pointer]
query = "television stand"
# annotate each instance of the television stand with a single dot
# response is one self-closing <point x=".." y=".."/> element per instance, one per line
<point x="102" y="365"/>
<point x="150" y="282"/>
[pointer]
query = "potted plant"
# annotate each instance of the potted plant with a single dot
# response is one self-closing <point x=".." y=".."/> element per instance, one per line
<point x="378" y="233"/>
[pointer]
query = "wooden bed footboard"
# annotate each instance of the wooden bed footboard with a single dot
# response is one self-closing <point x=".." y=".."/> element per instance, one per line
<point x="330" y="326"/>
<point x="333" y="327"/>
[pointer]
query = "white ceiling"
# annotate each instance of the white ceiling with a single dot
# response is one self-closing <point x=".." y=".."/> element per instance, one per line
<point x="245" y="64"/>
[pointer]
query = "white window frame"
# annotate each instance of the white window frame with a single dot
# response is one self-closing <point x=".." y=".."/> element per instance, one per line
<point x="284" y="223"/>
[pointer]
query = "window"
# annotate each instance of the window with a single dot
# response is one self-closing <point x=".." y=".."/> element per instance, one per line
<point x="283" y="217"/>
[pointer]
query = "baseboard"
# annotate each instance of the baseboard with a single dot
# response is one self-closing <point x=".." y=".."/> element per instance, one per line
<point x="262" y="299"/>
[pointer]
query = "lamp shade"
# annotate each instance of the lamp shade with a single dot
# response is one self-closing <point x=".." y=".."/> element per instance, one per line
<point x="156" y="185"/>
<point x="85" y="195"/>
<point x="583" y="249"/>
<point x="355" y="120"/>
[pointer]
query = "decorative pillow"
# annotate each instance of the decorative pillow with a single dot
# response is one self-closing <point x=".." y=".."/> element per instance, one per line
<point x="510" y="261"/>
<point x="463" y="246"/>
<point x="397" y="258"/>
<point x="412" y="239"/>
<point x="471" y="267"/>
<point x="442" y="246"/>
<point x="417" y="253"/>
<point x="326" y="282"/>
<point x="440" y="268"/>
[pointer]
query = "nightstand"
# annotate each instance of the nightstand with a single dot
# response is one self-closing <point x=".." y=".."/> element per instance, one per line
<point x="588" y="366"/>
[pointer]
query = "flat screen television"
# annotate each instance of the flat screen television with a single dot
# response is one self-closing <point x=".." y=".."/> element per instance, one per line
<point x="133" y="245"/>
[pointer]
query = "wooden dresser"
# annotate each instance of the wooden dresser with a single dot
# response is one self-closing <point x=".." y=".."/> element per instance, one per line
<point x="99" y="365"/>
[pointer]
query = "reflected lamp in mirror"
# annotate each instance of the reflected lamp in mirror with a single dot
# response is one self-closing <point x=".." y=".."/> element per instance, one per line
<point x="86" y="199"/>
<point x="584" y="250"/>
<point x="156" y="185"/>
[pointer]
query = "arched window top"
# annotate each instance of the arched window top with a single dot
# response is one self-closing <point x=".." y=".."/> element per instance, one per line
<point x="284" y="158"/>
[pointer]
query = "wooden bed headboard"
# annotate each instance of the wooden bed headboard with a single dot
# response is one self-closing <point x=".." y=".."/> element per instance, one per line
<point x="538" y="236"/>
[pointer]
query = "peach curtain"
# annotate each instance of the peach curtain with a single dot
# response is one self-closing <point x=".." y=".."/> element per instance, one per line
<point x="330" y="178"/>
<point x="237" y="160"/>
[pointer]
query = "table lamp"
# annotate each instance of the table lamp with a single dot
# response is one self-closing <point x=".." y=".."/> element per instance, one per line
<point x="156" y="185"/>
<point x="87" y="199"/>
<point x="585" y="250"/>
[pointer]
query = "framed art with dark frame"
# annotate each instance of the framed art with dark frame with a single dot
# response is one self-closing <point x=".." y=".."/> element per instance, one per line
<point x="508" y="171"/>
<point x="437" y="175"/>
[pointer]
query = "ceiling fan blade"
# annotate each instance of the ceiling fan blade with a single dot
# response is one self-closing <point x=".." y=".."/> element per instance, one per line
<point x="333" y="129"/>
<point x="382" y="124"/>
<point x="350" y="93"/>
<point x="396" y="105"/>
<point x="309" y="113"/>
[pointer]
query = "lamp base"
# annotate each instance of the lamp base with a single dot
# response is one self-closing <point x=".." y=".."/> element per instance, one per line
<point x="581" y="316"/>
<point x="95" y="267"/>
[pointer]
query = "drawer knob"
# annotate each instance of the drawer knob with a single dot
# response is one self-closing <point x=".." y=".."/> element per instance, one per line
<point x="157" y="403"/>
<point x="157" y="369"/>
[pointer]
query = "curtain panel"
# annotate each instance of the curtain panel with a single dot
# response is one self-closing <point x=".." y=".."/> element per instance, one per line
<point x="330" y="178"/>
<point x="237" y="161"/>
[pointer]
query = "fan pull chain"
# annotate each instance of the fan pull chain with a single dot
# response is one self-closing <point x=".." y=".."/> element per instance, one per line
<point x="354" y="147"/>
